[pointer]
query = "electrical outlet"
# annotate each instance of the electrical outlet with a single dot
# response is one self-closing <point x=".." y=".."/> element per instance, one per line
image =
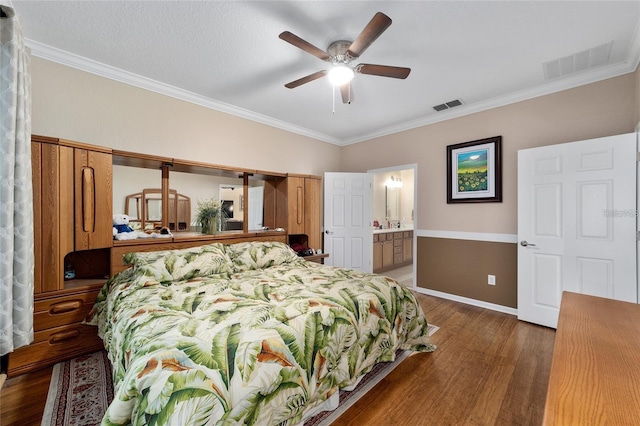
<point x="491" y="279"/>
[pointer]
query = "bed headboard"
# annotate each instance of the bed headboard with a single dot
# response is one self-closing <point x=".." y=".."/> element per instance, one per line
<point x="120" y="248"/>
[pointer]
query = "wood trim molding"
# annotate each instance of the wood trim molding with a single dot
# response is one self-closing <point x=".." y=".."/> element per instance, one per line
<point x="472" y="236"/>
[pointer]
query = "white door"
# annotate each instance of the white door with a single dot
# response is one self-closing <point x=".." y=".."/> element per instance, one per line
<point x="256" y="202"/>
<point x="348" y="232"/>
<point x="576" y="224"/>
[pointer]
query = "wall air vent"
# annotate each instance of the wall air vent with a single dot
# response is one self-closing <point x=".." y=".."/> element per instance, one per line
<point x="578" y="62"/>
<point x="447" y="105"/>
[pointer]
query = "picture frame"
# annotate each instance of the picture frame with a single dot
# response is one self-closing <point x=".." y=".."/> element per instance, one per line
<point x="474" y="171"/>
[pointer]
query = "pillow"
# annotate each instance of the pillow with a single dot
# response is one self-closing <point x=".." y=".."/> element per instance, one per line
<point x="259" y="255"/>
<point x="183" y="264"/>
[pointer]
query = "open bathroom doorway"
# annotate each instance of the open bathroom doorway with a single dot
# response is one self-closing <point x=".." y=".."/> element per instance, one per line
<point x="394" y="199"/>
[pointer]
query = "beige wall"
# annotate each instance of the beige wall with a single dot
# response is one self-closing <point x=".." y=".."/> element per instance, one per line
<point x="460" y="267"/>
<point x="76" y="105"/>
<point x="600" y="109"/>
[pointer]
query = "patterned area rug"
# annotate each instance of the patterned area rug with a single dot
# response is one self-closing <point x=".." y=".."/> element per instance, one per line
<point x="80" y="391"/>
<point x="82" y="388"/>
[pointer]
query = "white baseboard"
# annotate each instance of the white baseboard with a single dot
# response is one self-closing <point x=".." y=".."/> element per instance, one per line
<point x="468" y="301"/>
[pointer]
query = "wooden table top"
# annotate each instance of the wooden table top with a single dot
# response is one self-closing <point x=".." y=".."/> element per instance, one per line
<point x="595" y="372"/>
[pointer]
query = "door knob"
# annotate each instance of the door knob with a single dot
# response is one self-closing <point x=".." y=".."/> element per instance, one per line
<point x="328" y="232"/>
<point x="524" y="243"/>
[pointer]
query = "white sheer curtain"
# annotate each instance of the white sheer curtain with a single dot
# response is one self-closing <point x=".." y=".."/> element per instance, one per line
<point x="16" y="199"/>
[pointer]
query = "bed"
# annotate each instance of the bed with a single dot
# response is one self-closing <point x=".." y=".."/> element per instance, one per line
<point x="245" y="333"/>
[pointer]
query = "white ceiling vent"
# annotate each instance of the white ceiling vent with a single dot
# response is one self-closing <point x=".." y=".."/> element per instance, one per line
<point x="447" y="105"/>
<point x="578" y="62"/>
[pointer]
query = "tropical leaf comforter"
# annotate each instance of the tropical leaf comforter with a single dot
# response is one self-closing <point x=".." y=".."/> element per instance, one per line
<point x="244" y="334"/>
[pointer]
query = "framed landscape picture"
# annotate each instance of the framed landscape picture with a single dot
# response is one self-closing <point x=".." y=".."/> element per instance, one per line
<point x="474" y="171"/>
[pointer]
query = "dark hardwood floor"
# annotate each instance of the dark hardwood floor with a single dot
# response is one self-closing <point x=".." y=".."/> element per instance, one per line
<point x="489" y="369"/>
<point x="22" y="398"/>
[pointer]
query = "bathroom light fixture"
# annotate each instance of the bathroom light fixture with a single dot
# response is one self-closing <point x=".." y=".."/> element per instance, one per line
<point x="340" y="74"/>
<point x="394" y="182"/>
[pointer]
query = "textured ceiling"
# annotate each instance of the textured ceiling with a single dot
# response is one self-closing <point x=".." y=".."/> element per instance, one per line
<point x="227" y="55"/>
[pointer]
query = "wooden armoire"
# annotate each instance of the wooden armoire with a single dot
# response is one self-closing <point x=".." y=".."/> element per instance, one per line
<point x="72" y="201"/>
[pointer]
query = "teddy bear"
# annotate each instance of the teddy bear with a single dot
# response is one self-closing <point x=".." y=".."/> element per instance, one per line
<point x="122" y="230"/>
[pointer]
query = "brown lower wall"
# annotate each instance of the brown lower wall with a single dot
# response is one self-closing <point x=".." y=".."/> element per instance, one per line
<point x="460" y="267"/>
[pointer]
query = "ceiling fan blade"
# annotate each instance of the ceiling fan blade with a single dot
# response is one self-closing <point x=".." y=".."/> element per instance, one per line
<point x="378" y="24"/>
<point x="383" y="70"/>
<point x="303" y="80"/>
<point x="347" y="93"/>
<point x="304" y="45"/>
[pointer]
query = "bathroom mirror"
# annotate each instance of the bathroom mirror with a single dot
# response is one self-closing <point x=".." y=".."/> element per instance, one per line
<point x="393" y="203"/>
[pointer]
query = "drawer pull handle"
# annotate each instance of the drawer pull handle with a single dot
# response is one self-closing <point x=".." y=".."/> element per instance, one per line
<point x="61" y="308"/>
<point x="63" y="336"/>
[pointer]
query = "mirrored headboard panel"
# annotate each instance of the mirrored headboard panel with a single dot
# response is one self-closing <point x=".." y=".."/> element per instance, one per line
<point x="142" y="182"/>
<point x="201" y="187"/>
<point x="132" y="174"/>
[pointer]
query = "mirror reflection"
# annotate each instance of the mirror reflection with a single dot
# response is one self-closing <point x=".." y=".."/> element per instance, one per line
<point x="232" y="198"/>
<point x="393" y="199"/>
<point x="137" y="192"/>
<point x="256" y="204"/>
<point x="393" y="202"/>
<point x="146" y="207"/>
<point x="128" y="199"/>
<point x="201" y="187"/>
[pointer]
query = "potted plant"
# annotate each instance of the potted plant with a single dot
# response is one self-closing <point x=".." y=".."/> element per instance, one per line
<point x="208" y="216"/>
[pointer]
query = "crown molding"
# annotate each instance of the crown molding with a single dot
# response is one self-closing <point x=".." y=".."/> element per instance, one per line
<point x="592" y="76"/>
<point x="634" y="49"/>
<point x="94" y="67"/>
<point x="85" y="64"/>
<point x="547" y="88"/>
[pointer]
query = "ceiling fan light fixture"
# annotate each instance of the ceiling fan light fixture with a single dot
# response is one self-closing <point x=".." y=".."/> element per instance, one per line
<point x="340" y="74"/>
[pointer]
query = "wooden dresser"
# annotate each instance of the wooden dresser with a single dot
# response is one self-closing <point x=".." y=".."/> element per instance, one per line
<point x="595" y="372"/>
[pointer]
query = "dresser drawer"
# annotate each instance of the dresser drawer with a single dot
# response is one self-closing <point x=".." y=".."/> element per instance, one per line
<point x="54" y="345"/>
<point x="397" y="235"/>
<point x="375" y="238"/>
<point x="408" y="234"/>
<point x="397" y="243"/>
<point x="62" y="310"/>
<point x="397" y="258"/>
<point x="397" y="249"/>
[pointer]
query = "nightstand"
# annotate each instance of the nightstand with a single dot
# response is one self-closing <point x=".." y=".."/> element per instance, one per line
<point x="318" y="258"/>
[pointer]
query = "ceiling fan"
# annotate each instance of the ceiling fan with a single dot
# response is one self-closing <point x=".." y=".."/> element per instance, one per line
<point x="340" y="54"/>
